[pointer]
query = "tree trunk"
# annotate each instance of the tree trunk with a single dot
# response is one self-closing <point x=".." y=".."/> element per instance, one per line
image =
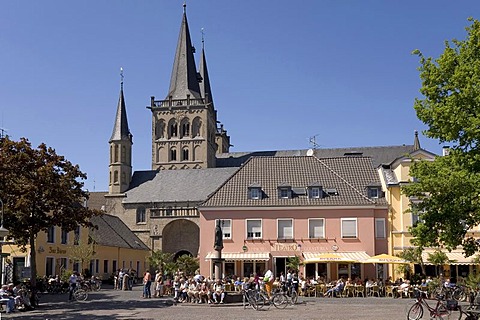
<point x="33" y="270"/>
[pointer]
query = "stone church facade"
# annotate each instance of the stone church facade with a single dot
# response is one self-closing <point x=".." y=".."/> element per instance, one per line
<point x="160" y="205"/>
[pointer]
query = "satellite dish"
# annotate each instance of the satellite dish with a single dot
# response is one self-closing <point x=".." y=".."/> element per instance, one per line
<point x="310" y="152"/>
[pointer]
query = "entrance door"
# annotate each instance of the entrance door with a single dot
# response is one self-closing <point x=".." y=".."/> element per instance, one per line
<point x="280" y="266"/>
<point x="18" y="265"/>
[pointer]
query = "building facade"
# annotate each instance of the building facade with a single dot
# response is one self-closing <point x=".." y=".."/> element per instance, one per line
<point x="274" y="208"/>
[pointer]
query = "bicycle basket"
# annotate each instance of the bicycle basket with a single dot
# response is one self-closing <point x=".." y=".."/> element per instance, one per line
<point x="452" y="305"/>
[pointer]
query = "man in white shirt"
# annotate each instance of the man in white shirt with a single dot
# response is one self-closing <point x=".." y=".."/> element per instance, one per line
<point x="72" y="281"/>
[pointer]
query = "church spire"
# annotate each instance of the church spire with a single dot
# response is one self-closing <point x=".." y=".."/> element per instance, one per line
<point x="205" y="89"/>
<point x="120" y="127"/>
<point x="416" y="142"/>
<point x="184" y="79"/>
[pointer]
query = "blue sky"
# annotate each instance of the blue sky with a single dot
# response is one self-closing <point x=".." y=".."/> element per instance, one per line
<point x="338" y="70"/>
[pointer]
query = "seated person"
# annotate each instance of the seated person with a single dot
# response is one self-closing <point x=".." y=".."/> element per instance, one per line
<point x="6" y="297"/>
<point x="218" y="291"/>
<point x="238" y="284"/>
<point x="337" y="289"/>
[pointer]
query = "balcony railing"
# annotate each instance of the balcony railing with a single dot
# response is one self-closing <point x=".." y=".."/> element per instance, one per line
<point x="176" y="103"/>
<point x="173" y="212"/>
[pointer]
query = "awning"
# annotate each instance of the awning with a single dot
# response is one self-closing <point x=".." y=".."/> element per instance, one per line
<point x="234" y="256"/>
<point x="347" y="256"/>
<point x="455" y="257"/>
<point x="386" y="258"/>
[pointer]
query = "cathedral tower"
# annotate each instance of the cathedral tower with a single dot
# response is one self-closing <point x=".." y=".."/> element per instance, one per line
<point x="120" y="150"/>
<point x="184" y="124"/>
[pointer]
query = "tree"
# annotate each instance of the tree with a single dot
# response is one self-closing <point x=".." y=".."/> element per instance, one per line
<point x="413" y="255"/>
<point x="187" y="264"/>
<point x="82" y="253"/>
<point x="162" y="261"/>
<point x="39" y="189"/>
<point x="448" y="188"/>
<point x="438" y="259"/>
<point x="293" y="263"/>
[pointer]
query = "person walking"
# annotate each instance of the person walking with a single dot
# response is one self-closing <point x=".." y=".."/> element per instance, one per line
<point x="72" y="282"/>
<point x="147" y="283"/>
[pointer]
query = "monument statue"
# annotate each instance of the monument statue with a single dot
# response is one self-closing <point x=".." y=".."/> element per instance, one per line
<point x="218" y="244"/>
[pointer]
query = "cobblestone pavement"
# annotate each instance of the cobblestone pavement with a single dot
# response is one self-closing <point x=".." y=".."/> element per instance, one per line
<point x="123" y="305"/>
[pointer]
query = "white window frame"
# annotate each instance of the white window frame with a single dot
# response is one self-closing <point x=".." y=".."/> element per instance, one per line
<point x="383" y="235"/>
<point x="310" y="235"/>
<point x="63" y="236"/>
<point x="356" y="228"/>
<point x="227" y="232"/>
<point x="314" y="192"/>
<point x="261" y="229"/>
<point x="278" y="229"/>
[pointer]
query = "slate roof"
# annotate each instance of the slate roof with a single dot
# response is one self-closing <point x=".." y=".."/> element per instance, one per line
<point x="112" y="232"/>
<point x="184" y="79"/>
<point x="379" y="155"/>
<point x="350" y="176"/>
<point x="193" y="185"/>
<point x="120" y="127"/>
<point x="96" y="200"/>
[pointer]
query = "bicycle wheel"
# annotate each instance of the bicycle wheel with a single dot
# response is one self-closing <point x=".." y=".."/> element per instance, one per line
<point x="442" y="312"/>
<point x="80" y="295"/>
<point x="294" y="297"/>
<point x="260" y="300"/>
<point x="415" y="312"/>
<point x="280" y="301"/>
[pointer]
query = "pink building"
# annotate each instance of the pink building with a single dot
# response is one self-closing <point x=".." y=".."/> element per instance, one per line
<point x="274" y="208"/>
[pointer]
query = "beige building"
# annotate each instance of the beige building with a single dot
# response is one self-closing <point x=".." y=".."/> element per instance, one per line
<point x="113" y="244"/>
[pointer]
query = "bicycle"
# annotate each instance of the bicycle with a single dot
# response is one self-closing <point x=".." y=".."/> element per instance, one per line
<point x="248" y="299"/>
<point x="80" y="294"/>
<point x="441" y="310"/>
<point x="284" y="296"/>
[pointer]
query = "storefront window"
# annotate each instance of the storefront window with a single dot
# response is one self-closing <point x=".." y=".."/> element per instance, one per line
<point x="247" y="269"/>
<point x="229" y="269"/>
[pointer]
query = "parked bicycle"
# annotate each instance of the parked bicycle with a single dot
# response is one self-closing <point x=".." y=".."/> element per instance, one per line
<point x="442" y="310"/>
<point x="284" y="296"/>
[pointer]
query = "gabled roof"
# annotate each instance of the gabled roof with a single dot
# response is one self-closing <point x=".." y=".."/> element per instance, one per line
<point x="184" y="80"/>
<point x="193" y="185"/>
<point x="350" y="176"/>
<point x="379" y="155"/>
<point x="120" y="127"/>
<point x="112" y="232"/>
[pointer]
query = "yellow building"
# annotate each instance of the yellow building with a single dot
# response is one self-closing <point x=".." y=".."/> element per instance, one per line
<point x="393" y="176"/>
<point x="112" y="245"/>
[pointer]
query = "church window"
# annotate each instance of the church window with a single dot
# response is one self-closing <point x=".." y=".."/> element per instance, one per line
<point x="173" y="154"/>
<point x="173" y="130"/>
<point x="185" y="129"/>
<point x="185" y="154"/>
<point x="124" y="178"/>
<point x="141" y="215"/>
<point x="116" y="153"/>
<point x="115" y="177"/>
<point x="124" y="153"/>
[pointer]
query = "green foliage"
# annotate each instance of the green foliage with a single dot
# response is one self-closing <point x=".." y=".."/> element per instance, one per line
<point x="188" y="264"/>
<point x="413" y="255"/>
<point x="472" y="281"/>
<point x="448" y="188"/>
<point x="293" y="263"/>
<point x="162" y="261"/>
<point x="39" y="189"/>
<point x="438" y="258"/>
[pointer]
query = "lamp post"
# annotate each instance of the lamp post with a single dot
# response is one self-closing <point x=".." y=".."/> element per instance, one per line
<point x="3" y="234"/>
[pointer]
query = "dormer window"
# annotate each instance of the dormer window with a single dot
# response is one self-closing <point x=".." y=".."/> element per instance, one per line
<point x="373" y="193"/>
<point x="284" y="191"/>
<point x="255" y="192"/>
<point x="315" y="192"/>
